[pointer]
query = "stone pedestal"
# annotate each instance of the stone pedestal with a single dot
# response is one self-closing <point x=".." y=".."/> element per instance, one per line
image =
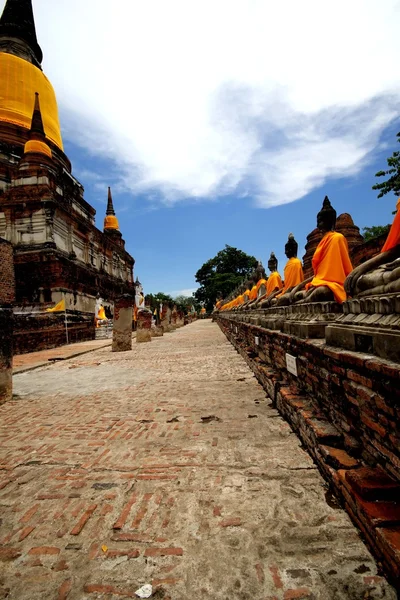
<point x="7" y="298"/>
<point x="369" y="324"/>
<point x="122" y="327"/>
<point x="166" y="320"/>
<point x="143" y="332"/>
<point x="6" y="353"/>
<point x="157" y="331"/>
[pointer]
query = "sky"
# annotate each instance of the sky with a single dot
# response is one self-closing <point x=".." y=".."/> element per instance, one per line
<point x="223" y="121"/>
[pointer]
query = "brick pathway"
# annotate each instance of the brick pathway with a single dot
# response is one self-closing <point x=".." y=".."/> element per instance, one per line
<point x="166" y="465"/>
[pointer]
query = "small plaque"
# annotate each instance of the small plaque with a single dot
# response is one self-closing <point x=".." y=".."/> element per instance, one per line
<point x="291" y="364"/>
<point x="236" y="329"/>
<point x="257" y="341"/>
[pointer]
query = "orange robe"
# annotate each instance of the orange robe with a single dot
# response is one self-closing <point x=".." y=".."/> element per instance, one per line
<point x="331" y="264"/>
<point x="293" y="274"/>
<point x="274" y="282"/>
<point x="253" y="293"/>
<point x="393" y="238"/>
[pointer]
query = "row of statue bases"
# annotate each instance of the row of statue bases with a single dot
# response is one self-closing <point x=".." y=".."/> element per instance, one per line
<point x="105" y="323"/>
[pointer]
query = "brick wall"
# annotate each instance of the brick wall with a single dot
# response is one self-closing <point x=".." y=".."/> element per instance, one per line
<point x="344" y="407"/>
<point x="7" y="277"/>
<point x="367" y="250"/>
<point x="358" y="394"/>
<point x="33" y="332"/>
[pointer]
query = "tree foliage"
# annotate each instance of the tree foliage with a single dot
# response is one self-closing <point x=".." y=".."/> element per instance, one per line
<point x="392" y="183"/>
<point x="222" y="274"/>
<point x="375" y="231"/>
<point x="183" y="303"/>
<point x="154" y="300"/>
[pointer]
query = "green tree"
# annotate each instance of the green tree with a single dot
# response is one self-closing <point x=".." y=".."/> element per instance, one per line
<point x="185" y="303"/>
<point x="392" y="184"/>
<point x="154" y="300"/>
<point x="222" y="274"/>
<point x="375" y="231"/>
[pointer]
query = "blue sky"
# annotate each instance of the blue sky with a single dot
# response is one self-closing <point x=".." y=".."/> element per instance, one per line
<point x="223" y="122"/>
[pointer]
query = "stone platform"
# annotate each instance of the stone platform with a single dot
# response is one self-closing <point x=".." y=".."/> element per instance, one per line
<point x="167" y="465"/>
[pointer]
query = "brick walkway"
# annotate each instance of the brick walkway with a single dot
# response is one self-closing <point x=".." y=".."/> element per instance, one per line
<point x="166" y="465"/>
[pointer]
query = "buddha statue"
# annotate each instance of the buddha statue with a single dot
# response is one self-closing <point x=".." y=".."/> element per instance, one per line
<point x="380" y="274"/>
<point x="293" y="273"/>
<point x="239" y="300"/>
<point x="331" y="263"/>
<point x="252" y="288"/>
<point x="246" y="294"/>
<point x="274" y="283"/>
<point x="260" y="286"/>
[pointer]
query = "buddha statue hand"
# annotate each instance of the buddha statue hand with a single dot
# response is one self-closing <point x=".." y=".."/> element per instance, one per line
<point x="385" y="258"/>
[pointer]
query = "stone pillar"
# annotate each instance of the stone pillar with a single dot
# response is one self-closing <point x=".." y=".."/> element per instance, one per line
<point x="7" y="298"/>
<point x="174" y="318"/>
<point x="166" y="319"/>
<point x="143" y="333"/>
<point x="122" y="328"/>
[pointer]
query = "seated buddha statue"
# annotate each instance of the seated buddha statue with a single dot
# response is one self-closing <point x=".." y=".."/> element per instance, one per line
<point x="293" y="273"/>
<point x="331" y="263"/>
<point x="381" y="274"/>
<point x="274" y="283"/>
<point x="248" y="285"/>
<point x="239" y="300"/>
<point x="260" y="287"/>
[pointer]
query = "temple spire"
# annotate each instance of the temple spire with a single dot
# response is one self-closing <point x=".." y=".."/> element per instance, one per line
<point x="110" y="206"/>
<point x="37" y="121"/>
<point x="37" y="143"/>
<point x="111" y="221"/>
<point x="17" y="22"/>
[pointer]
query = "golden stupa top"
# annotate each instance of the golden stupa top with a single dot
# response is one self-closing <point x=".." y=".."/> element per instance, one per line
<point x="19" y="81"/>
<point x="110" y="221"/>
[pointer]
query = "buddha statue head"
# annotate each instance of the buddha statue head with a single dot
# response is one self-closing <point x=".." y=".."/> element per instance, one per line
<point x="260" y="272"/>
<point x="273" y="263"/>
<point x="326" y="218"/>
<point x="291" y="247"/>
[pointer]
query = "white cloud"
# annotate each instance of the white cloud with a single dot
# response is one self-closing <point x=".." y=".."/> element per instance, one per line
<point x="184" y="292"/>
<point x="197" y="99"/>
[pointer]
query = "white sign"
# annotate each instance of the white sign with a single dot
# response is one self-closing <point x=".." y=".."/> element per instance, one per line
<point x="236" y="329"/>
<point x="291" y="364"/>
<point x="257" y="341"/>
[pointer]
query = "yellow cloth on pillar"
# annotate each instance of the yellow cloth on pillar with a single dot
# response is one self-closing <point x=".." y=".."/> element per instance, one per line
<point x="293" y="274"/>
<point x="274" y="282"/>
<point x="331" y="264"/>
<point x="58" y="307"/>
<point x="101" y="314"/>
<point x="393" y="238"/>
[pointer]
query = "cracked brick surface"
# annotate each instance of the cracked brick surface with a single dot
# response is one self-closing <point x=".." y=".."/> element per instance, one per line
<point x="166" y="465"/>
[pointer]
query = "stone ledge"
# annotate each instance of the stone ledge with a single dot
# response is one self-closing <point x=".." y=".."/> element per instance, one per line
<point x="377" y="341"/>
